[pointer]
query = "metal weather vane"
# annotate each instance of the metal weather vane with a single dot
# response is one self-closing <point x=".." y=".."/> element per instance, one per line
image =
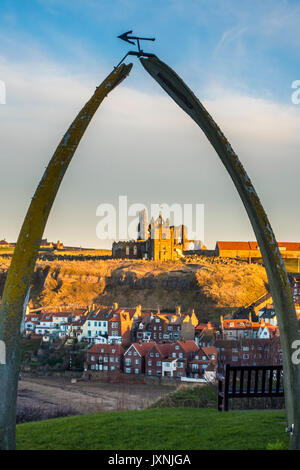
<point x="131" y="39"/>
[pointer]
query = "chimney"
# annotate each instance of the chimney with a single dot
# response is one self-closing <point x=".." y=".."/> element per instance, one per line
<point x="138" y="309"/>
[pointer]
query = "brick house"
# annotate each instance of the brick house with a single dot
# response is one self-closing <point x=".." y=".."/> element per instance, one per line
<point x="134" y="357"/>
<point x="119" y="328"/>
<point x="180" y="354"/>
<point x="204" y="359"/>
<point x="105" y="358"/>
<point x="249" y="351"/>
<point x="236" y="329"/>
<point x="154" y="358"/>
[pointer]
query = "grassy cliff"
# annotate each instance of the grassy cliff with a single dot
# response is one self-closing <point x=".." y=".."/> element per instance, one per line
<point x="207" y="287"/>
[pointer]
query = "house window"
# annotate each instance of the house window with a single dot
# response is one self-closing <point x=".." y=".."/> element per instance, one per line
<point x="105" y="359"/>
<point x="127" y="370"/>
<point x="105" y="368"/>
<point x="92" y="358"/>
<point x="136" y="371"/>
<point x="234" y="358"/>
<point x="137" y="361"/>
<point x="149" y="363"/>
<point x="245" y="356"/>
<point x="150" y="372"/>
<point x="128" y="362"/>
<point x="112" y="368"/>
<point x="112" y="359"/>
<point x="158" y="363"/>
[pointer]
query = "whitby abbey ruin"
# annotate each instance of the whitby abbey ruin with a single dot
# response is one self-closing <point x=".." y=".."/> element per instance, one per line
<point x="157" y="241"/>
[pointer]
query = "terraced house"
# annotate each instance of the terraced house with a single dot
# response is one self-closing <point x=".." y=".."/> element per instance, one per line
<point x="96" y="324"/>
<point x="106" y="357"/>
<point x="135" y="356"/>
<point x="249" y="351"/>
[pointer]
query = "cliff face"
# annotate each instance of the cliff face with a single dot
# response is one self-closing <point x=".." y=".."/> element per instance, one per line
<point x="203" y="286"/>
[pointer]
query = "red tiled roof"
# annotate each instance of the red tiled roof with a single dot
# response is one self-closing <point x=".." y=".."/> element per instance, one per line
<point x="290" y="246"/>
<point x="143" y="348"/>
<point x="233" y="245"/>
<point x="188" y="346"/>
<point x="238" y="324"/>
<point x="209" y="350"/>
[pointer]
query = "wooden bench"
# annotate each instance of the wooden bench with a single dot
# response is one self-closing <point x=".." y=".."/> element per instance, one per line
<point x="261" y="381"/>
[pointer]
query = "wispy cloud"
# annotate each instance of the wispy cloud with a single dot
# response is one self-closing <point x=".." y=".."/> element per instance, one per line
<point x="230" y="36"/>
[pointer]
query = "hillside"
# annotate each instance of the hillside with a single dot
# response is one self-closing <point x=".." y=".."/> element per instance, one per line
<point x="163" y="428"/>
<point x="207" y="287"/>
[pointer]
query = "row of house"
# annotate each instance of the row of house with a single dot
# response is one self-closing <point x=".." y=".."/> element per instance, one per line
<point x="107" y="325"/>
<point x="180" y="359"/>
<point x="103" y="325"/>
<point x="132" y="341"/>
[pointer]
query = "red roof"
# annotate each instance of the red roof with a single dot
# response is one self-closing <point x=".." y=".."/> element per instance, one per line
<point x="143" y="348"/>
<point x="188" y="346"/>
<point x="234" y="245"/>
<point x="290" y="246"/>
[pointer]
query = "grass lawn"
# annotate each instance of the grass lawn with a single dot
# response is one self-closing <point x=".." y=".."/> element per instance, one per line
<point x="158" y="428"/>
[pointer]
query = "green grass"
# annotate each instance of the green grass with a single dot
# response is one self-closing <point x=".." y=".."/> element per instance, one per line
<point x="159" y="428"/>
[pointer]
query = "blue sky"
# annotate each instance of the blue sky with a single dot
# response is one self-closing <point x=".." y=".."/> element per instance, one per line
<point x="240" y="57"/>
